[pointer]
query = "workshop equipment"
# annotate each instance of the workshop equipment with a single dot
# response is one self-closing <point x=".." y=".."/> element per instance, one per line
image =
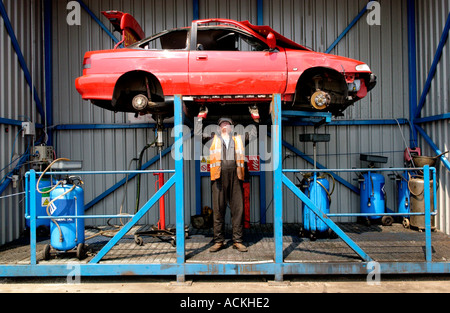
<point x="416" y="186"/>
<point x="317" y="188"/>
<point x="404" y="197"/>
<point x="67" y="234"/>
<point x="421" y="161"/>
<point x="372" y="192"/>
<point x="67" y="202"/>
<point x="160" y="230"/>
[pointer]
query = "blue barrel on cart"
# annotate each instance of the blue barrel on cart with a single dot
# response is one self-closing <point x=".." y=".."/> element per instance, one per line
<point x="404" y="195"/>
<point x="372" y="196"/>
<point x="67" y="233"/>
<point x="317" y="191"/>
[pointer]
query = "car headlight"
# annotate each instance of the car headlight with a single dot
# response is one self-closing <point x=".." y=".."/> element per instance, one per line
<point x="363" y="68"/>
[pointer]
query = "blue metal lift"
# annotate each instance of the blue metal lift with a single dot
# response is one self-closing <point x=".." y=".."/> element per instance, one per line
<point x="277" y="267"/>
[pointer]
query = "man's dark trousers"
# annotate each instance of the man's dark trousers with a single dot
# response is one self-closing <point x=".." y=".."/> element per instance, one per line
<point x="228" y="189"/>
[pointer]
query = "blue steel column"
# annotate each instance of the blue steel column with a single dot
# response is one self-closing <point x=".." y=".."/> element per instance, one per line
<point x="179" y="186"/>
<point x="260" y="10"/>
<point x="427" y="197"/>
<point x="412" y="64"/>
<point x="48" y="69"/>
<point x="277" y="185"/>
<point x="33" y="260"/>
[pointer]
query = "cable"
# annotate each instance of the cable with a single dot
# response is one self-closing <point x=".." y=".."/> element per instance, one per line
<point x="14" y="143"/>
<point x="138" y="189"/>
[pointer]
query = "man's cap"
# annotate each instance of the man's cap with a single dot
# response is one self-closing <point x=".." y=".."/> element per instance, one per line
<point x="225" y="119"/>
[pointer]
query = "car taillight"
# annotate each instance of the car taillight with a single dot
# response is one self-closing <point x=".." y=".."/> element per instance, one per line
<point x="86" y="63"/>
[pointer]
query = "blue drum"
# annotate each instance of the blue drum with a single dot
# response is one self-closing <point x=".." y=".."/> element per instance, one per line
<point x="372" y="197"/>
<point x="67" y="233"/>
<point x="318" y="192"/>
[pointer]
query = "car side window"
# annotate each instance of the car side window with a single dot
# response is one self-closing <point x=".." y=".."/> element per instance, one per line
<point x="174" y="40"/>
<point x="228" y="40"/>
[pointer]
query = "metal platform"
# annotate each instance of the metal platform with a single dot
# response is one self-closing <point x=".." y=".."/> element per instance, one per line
<point x="273" y="249"/>
<point x="383" y="243"/>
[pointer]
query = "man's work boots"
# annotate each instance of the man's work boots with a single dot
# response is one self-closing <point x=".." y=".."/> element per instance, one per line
<point x="240" y="247"/>
<point x="216" y="247"/>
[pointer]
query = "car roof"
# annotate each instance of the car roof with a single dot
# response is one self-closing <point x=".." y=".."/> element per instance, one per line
<point x="246" y="26"/>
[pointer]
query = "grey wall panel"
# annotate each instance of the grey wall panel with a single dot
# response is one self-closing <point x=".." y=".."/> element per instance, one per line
<point x="431" y="17"/>
<point x="16" y="102"/>
<point x="239" y="10"/>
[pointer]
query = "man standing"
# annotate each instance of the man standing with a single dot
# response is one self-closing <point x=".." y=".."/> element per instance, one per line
<point x="227" y="156"/>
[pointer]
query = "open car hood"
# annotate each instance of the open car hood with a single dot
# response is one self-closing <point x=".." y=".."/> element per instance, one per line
<point x="281" y="40"/>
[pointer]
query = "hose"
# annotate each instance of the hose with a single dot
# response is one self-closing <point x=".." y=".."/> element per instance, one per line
<point x="53" y="188"/>
<point x="43" y="173"/>
<point x="138" y="189"/>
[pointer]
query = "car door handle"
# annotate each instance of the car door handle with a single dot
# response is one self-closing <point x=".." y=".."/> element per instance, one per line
<point x="202" y="57"/>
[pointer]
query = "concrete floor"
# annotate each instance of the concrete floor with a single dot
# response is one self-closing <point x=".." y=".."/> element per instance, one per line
<point x="230" y="285"/>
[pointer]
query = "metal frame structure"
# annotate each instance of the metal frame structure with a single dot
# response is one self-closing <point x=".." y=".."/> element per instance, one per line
<point x="180" y="269"/>
<point x="278" y="267"/>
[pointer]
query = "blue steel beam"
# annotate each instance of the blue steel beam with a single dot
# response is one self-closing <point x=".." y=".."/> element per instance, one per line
<point x="434" y="118"/>
<point x="97" y="20"/>
<point x="260" y="12"/>
<point x="432" y="73"/>
<point x="179" y="184"/>
<point x="277" y="162"/>
<point x="48" y="68"/>
<point x="21" y="58"/>
<point x="346" y="30"/>
<point x="202" y="269"/>
<point x="195" y="9"/>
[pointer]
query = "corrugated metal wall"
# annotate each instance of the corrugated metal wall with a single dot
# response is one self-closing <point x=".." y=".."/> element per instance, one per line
<point x="313" y="23"/>
<point x="431" y="17"/>
<point x="16" y="101"/>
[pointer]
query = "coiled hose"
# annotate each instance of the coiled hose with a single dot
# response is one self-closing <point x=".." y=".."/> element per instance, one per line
<point x="53" y="188"/>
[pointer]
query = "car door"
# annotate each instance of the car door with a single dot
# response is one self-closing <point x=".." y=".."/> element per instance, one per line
<point x="227" y="61"/>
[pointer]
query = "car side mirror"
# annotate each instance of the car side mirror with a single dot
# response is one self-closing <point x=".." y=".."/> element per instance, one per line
<point x="271" y="41"/>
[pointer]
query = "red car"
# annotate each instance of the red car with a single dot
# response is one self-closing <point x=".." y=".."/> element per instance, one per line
<point x="219" y="66"/>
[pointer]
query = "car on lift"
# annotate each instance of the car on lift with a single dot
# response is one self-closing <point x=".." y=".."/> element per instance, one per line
<point x="219" y="66"/>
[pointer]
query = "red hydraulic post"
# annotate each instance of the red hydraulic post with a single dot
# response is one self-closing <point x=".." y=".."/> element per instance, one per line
<point x="162" y="207"/>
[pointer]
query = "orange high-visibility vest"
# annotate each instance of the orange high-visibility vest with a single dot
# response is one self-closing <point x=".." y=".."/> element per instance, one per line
<point x="215" y="156"/>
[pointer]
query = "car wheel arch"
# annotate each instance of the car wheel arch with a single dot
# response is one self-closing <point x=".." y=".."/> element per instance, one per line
<point x="135" y="82"/>
<point x="304" y="82"/>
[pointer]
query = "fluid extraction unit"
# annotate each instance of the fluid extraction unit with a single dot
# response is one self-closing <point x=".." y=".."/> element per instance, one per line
<point x="66" y="207"/>
<point x="372" y="193"/>
<point x="317" y="188"/>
